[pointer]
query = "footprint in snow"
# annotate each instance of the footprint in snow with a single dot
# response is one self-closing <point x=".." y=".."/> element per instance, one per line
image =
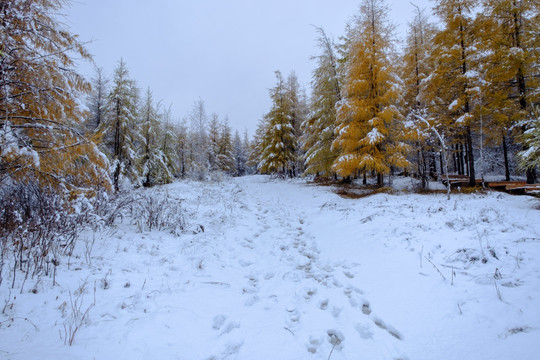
<point x="391" y="330"/>
<point x="220" y="324"/>
<point x="323" y="305"/>
<point x="245" y="263"/>
<point x="336" y="311"/>
<point x="231" y="349"/>
<point x="313" y="344"/>
<point x="252" y="300"/>
<point x="293" y="316"/>
<point x="309" y="293"/>
<point x="365" y="331"/>
<point x="218" y="321"/>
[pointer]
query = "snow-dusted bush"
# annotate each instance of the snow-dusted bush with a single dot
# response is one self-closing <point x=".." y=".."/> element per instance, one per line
<point x="38" y="224"/>
<point x="108" y="208"/>
<point x="155" y="210"/>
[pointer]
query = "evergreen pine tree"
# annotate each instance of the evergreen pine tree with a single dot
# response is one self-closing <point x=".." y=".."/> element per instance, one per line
<point x="239" y="155"/>
<point x="278" y="144"/>
<point x="297" y="113"/>
<point x="319" y="127"/>
<point x="260" y="142"/>
<point x="214" y="134"/>
<point x="225" y="151"/>
<point x="119" y="129"/>
<point x="182" y="148"/>
<point x="97" y="100"/>
<point x="247" y="147"/>
<point x="154" y="169"/>
<point x="167" y="142"/>
<point x="198" y="117"/>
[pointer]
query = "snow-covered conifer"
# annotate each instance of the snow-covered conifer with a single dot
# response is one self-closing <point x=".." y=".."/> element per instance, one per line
<point x="368" y="115"/>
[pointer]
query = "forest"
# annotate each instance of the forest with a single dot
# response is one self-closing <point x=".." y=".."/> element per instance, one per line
<point x="467" y="86"/>
<point x="102" y="161"/>
<point x="462" y="96"/>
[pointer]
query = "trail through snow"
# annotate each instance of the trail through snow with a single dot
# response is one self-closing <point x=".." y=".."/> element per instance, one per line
<point x="286" y="270"/>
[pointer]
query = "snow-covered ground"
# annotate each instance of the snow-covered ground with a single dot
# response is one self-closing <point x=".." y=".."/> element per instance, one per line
<point x="287" y="270"/>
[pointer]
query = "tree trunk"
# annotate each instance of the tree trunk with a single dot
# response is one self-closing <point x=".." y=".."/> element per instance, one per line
<point x="116" y="177"/>
<point x="470" y="156"/>
<point x="380" y="180"/>
<point x="432" y="165"/>
<point x="506" y="164"/>
<point x="461" y="160"/>
<point x="531" y="176"/>
<point x="454" y="157"/>
<point x="441" y="162"/>
<point x="422" y="167"/>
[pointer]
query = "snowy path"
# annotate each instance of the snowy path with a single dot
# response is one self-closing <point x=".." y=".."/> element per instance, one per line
<point x="315" y="298"/>
<point x="286" y="270"/>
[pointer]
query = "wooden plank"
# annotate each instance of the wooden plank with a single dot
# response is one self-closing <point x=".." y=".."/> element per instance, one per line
<point x="454" y="176"/>
<point x="533" y="191"/>
<point x="525" y="187"/>
<point x="494" y="184"/>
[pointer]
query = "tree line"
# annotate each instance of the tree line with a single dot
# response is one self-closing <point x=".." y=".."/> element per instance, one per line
<point x="463" y="94"/>
<point x="120" y="137"/>
<point x="147" y="147"/>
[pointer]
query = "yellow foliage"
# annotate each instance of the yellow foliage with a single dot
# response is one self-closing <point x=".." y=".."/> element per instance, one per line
<point x="39" y="111"/>
<point x="369" y="121"/>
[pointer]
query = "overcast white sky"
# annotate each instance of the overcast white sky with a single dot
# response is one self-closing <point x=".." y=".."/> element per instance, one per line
<point x="222" y="51"/>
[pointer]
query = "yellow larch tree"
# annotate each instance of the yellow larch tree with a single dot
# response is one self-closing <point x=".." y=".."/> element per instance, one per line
<point x="369" y="122"/>
<point x="416" y="66"/>
<point x="39" y="107"/>
<point x="510" y="44"/>
<point x="452" y="87"/>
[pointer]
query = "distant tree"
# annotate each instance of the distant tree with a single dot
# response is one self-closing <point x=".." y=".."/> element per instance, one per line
<point x="214" y="134"/>
<point x="259" y="143"/>
<point x="97" y="100"/>
<point x="248" y="147"/>
<point x="199" y="140"/>
<point x="39" y="107"/>
<point x="240" y="155"/>
<point x="167" y="141"/>
<point x="182" y="148"/>
<point x="119" y="129"/>
<point x="297" y="113"/>
<point x="278" y="143"/>
<point x="369" y="120"/>
<point x="319" y="127"/>
<point x="225" y="151"/>
<point x="154" y="169"/>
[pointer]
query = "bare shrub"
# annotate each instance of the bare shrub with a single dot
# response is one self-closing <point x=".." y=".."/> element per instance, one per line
<point x="108" y="208"/>
<point x="153" y="210"/>
<point x="78" y="315"/>
<point x="38" y="224"/>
